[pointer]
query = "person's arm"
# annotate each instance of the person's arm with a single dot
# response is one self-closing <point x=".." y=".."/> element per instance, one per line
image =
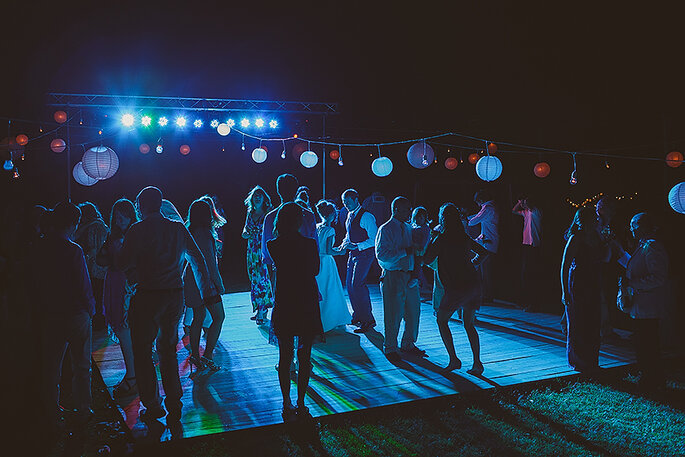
<point x="327" y="247"/>
<point x="368" y="223"/>
<point x="476" y="247"/>
<point x="267" y="235"/>
<point x="388" y="250"/>
<point x="569" y="254"/>
<point x="197" y="263"/>
<point x="246" y="234"/>
<point x="656" y="261"/>
<point x="126" y="258"/>
<point x="432" y="250"/>
<point x="518" y="208"/>
<point x="480" y="216"/>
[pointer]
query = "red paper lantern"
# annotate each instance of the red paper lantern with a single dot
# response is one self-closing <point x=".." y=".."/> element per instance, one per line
<point x="541" y="169"/>
<point x="60" y="117"/>
<point x="473" y="158"/>
<point x="492" y="148"/>
<point x="334" y="154"/>
<point x="451" y="163"/>
<point x="58" y="145"/>
<point x="674" y="159"/>
<point x="22" y="139"/>
<point x="185" y="149"/>
<point x="144" y="148"/>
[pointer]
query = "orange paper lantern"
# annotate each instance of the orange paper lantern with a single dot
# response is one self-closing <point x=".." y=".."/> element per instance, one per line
<point x="60" y="117"/>
<point x="58" y="145"/>
<point x="674" y="159"/>
<point x="185" y="149"/>
<point x="144" y="148"/>
<point x="22" y="140"/>
<point x="334" y="154"/>
<point x="541" y="169"/>
<point x="492" y="148"/>
<point x="451" y="163"/>
<point x="473" y="158"/>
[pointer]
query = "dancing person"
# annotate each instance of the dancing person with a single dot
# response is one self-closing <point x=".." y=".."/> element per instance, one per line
<point x="395" y="254"/>
<point x="258" y="205"/>
<point x="296" y="312"/>
<point x="91" y="235"/>
<point x="65" y="298"/>
<point x="156" y="249"/>
<point x="531" y="255"/>
<point x="201" y="226"/>
<point x="606" y="210"/>
<point x="334" y="311"/>
<point x="580" y="289"/>
<point x="454" y="250"/>
<point x="488" y="218"/>
<point x="118" y="291"/>
<point x="420" y="237"/>
<point x="359" y="241"/>
<point x="302" y="198"/>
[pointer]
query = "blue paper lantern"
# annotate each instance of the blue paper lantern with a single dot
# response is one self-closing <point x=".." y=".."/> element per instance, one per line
<point x="420" y="155"/>
<point x="488" y="168"/>
<point x="259" y="155"/>
<point x="676" y="198"/>
<point x="81" y="177"/>
<point x="309" y="159"/>
<point x="381" y="167"/>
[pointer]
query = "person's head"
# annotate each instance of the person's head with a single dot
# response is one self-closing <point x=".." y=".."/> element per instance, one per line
<point x="200" y="215"/>
<point x="449" y="218"/>
<point x="89" y="212"/>
<point x="419" y="216"/>
<point x="350" y="199"/>
<point x="642" y="226"/>
<point x="149" y="201"/>
<point x="606" y="208"/>
<point x="286" y="186"/>
<point x="65" y="218"/>
<point x="482" y="196"/>
<point x="584" y="219"/>
<point x="326" y="211"/>
<point x="217" y="219"/>
<point x="401" y="209"/>
<point x="303" y="194"/>
<point x="123" y="215"/>
<point x="257" y="199"/>
<point x="288" y="219"/>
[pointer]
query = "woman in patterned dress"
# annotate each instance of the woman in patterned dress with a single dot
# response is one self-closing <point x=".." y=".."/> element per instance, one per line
<point x="258" y="204"/>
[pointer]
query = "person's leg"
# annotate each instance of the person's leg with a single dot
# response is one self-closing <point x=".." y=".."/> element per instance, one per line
<point x="285" y="358"/>
<point x="412" y="313"/>
<point x="216" y="310"/>
<point x="443" y="318"/>
<point x="438" y="291"/>
<point x="144" y="329"/>
<point x="80" y="346"/>
<point x="196" y="331"/>
<point x="486" y="278"/>
<point x="647" y="351"/>
<point x="172" y="307"/>
<point x="123" y="333"/>
<point x="54" y="345"/>
<point x="361" y="291"/>
<point x="393" y="293"/>
<point x="474" y="340"/>
<point x="351" y="263"/>
<point x="304" y="357"/>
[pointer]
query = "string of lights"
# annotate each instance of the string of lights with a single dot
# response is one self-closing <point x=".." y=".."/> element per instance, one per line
<point x="592" y="200"/>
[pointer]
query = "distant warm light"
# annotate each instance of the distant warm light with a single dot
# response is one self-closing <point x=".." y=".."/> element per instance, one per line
<point x="145" y="121"/>
<point x="180" y="121"/>
<point x="214" y="124"/>
<point x="259" y="122"/>
<point x="197" y="123"/>
<point x="273" y="124"/>
<point x="163" y="121"/>
<point x="230" y="122"/>
<point x="295" y="135"/>
<point x="127" y="119"/>
<point x="245" y="123"/>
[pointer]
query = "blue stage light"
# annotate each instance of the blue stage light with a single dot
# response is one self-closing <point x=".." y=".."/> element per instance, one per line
<point x="273" y="123"/>
<point x="180" y="121"/>
<point x="215" y="123"/>
<point x="259" y="122"/>
<point x="145" y="121"/>
<point x="163" y="121"/>
<point x="245" y="123"/>
<point x="230" y="122"/>
<point x="127" y="119"/>
<point x="197" y="123"/>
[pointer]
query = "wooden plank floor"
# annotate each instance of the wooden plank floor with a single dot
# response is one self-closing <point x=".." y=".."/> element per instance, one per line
<point x="350" y="371"/>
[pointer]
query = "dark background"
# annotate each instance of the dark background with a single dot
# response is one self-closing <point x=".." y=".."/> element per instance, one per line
<point x="567" y="76"/>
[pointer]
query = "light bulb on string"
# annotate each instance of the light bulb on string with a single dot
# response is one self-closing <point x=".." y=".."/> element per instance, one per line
<point x="574" y="179"/>
<point x="283" y="152"/>
<point x="15" y="175"/>
<point x="340" y="161"/>
<point x="424" y="159"/>
<point x="606" y="163"/>
<point x="243" y="145"/>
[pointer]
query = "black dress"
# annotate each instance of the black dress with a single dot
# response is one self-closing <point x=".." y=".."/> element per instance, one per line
<point x="296" y="311"/>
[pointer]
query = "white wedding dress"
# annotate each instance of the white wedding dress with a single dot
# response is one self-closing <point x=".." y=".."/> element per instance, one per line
<point x="334" y="310"/>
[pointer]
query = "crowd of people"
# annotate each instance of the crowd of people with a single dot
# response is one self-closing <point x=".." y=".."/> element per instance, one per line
<point x="147" y="265"/>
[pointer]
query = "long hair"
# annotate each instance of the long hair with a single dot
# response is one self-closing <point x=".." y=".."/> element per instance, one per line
<point x="125" y="207"/>
<point x="583" y="219"/>
<point x="289" y="219"/>
<point x="267" y="200"/>
<point x="89" y="212"/>
<point x="450" y="219"/>
<point x="217" y="219"/>
<point x="200" y="216"/>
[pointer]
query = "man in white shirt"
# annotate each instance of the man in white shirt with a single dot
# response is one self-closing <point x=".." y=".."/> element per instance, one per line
<point x="395" y="253"/>
<point x="488" y="218"/>
<point x="531" y="257"/>
<point x="359" y="241"/>
<point x="155" y="250"/>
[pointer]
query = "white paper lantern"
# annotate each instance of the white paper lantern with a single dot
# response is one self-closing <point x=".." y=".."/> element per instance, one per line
<point x="676" y="198"/>
<point x="309" y="159"/>
<point x="420" y="155"/>
<point x="488" y="168"/>
<point x="381" y="167"/>
<point x="100" y="162"/>
<point x="259" y="155"/>
<point x="81" y="177"/>
<point x="223" y="129"/>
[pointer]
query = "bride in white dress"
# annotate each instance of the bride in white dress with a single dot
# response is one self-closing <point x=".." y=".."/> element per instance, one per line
<point x="334" y="310"/>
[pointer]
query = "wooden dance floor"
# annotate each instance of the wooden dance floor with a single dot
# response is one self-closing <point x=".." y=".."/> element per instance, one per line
<point x="350" y="371"/>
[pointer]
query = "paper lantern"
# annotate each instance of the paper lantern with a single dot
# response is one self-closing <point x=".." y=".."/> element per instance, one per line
<point x="22" y="140"/>
<point x="309" y="159"/>
<point x="674" y="159"/>
<point x="334" y="154"/>
<point x="473" y="158"/>
<point x="81" y="177"/>
<point x="420" y="155"/>
<point x="223" y="129"/>
<point x="381" y="167"/>
<point x="451" y="163"/>
<point x="488" y="168"/>
<point x="144" y="148"/>
<point x="676" y="198"/>
<point x="60" y="117"/>
<point x="259" y="155"/>
<point x="185" y="149"/>
<point x="58" y="145"/>
<point x="100" y="162"/>
<point x="492" y="148"/>
<point x="541" y="169"/>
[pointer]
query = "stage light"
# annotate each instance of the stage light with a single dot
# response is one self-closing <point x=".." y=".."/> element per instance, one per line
<point x="259" y="122"/>
<point x="163" y="121"/>
<point x="245" y="123"/>
<point x="127" y="119"/>
<point x="214" y="124"/>
<point x="180" y="121"/>
<point x="197" y="123"/>
<point x="230" y="122"/>
<point x="145" y="121"/>
<point x="273" y="124"/>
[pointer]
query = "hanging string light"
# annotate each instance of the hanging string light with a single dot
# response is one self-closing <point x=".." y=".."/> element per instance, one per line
<point x="574" y="179"/>
<point x="283" y="152"/>
<point x="340" y="161"/>
<point x="243" y="145"/>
